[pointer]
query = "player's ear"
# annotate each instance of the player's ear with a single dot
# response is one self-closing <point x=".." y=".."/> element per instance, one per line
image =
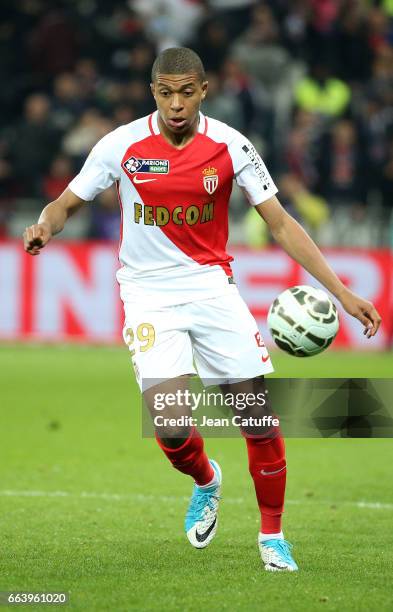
<point x="204" y="89"/>
<point x="152" y="89"/>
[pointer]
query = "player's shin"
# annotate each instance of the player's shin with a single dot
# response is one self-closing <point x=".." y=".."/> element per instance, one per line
<point x="190" y="458"/>
<point x="267" y="467"/>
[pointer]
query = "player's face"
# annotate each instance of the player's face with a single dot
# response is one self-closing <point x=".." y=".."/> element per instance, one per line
<point x="178" y="98"/>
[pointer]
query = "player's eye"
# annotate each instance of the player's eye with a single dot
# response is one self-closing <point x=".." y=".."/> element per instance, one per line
<point x="188" y="93"/>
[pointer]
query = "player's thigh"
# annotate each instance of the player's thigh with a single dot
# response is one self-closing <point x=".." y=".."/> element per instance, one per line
<point x="159" y="344"/>
<point x="227" y="343"/>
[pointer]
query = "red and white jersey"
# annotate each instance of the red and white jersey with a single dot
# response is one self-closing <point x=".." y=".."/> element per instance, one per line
<point x="174" y="204"/>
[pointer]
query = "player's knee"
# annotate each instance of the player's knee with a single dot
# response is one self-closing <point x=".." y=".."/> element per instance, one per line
<point x="252" y="408"/>
<point x="172" y="443"/>
<point x="172" y="437"/>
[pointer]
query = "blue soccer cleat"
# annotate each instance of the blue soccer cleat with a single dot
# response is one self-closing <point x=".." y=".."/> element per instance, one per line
<point x="276" y="555"/>
<point x="201" y="518"/>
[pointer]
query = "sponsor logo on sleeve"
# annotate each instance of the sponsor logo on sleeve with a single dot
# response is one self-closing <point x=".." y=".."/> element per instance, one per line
<point x="263" y="175"/>
<point x="146" y="166"/>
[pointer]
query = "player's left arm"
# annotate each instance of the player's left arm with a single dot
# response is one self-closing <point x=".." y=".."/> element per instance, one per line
<point x="297" y="243"/>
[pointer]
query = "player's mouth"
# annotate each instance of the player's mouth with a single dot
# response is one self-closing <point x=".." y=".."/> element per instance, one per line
<point x="177" y="123"/>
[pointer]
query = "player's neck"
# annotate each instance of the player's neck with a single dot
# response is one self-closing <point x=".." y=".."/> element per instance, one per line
<point x="178" y="140"/>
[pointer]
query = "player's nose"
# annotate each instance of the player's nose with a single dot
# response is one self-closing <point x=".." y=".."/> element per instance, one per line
<point x="176" y="102"/>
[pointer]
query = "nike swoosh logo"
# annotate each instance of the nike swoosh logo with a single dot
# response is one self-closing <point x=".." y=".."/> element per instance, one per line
<point x="201" y="537"/>
<point x="280" y="567"/>
<point x="265" y="359"/>
<point x="275" y="471"/>
<point x="137" y="180"/>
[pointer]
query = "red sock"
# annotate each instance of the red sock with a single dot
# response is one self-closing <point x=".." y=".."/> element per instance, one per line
<point x="268" y="455"/>
<point x="190" y="458"/>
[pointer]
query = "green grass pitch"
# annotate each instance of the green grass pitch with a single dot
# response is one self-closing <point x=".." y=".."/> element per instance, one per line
<point x="88" y="507"/>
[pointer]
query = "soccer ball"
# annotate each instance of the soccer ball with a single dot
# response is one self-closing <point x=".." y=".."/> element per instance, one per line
<point x="303" y="321"/>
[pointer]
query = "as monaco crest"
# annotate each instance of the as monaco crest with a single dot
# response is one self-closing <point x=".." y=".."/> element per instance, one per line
<point x="210" y="179"/>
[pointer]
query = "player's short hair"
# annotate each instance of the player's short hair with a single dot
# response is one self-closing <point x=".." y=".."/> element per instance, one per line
<point x="178" y="60"/>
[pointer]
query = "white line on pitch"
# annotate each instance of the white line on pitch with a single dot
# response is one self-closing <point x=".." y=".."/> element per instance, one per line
<point x="144" y="498"/>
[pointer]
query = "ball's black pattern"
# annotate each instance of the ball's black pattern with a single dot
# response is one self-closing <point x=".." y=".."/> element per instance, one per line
<point x="296" y="337"/>
<point x="323" y="311"/>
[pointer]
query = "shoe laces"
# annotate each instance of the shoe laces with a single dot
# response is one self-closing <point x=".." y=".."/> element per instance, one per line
<point x="201" y="500"/>
<point x="282" y="547"/>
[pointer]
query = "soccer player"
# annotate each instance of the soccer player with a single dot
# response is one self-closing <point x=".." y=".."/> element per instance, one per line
<point x="174" y="171"/>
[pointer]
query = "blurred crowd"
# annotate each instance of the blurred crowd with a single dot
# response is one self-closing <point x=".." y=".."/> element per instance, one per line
<point x="310" y="82"/>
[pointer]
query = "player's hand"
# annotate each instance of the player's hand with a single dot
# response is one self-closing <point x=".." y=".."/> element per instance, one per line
<point x="36" y="237"/>
<point x="363" y="310"/>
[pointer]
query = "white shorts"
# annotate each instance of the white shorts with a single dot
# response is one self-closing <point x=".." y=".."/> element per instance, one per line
<point x="217" y="338"/>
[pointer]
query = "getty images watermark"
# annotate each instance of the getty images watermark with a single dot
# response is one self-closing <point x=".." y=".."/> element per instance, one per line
<point x="184" y="401"/>
<point x="304" y="407"/>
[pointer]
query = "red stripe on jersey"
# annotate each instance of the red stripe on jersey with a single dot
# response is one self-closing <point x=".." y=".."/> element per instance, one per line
<point x="191" y="199"/>
<point x="150" y="124"/>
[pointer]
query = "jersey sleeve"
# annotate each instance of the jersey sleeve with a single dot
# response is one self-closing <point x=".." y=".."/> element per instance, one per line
<point x="98" y="172"/>
<point x="250" y="172"/>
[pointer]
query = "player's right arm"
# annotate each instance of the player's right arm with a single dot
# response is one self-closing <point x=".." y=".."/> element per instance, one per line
<point x="100" y="170"/>
<point x="51" y="221"/>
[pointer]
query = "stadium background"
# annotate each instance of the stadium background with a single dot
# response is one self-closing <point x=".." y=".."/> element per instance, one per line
<point x="311" y="83"/>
